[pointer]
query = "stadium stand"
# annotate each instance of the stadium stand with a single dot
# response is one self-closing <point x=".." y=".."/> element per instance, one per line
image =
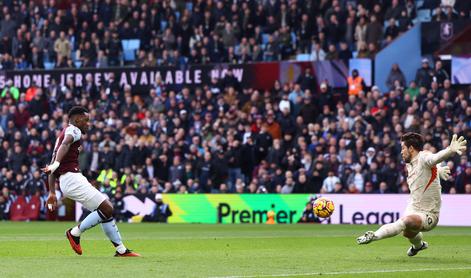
<point x="221" y="138"/>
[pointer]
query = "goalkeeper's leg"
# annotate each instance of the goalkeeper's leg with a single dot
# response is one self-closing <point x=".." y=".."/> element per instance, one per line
<point x="409" y="222"/>
<point x="417" y="243"/>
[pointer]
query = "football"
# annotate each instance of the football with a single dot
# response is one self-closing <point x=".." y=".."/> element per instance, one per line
<point x="323" y="207"/>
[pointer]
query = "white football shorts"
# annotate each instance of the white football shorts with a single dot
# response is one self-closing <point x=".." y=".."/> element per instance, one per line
<point x="429" y="220"/>
<point x="75" y="186"/>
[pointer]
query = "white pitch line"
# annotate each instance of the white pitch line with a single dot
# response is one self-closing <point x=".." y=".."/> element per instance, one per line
<point x="345" y="272"/>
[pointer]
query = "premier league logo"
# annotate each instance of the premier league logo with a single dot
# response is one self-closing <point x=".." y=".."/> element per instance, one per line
<point x="446" y="30"/>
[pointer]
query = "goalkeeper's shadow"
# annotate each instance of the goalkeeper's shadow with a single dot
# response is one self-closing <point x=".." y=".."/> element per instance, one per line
<point x="420" y="260"/>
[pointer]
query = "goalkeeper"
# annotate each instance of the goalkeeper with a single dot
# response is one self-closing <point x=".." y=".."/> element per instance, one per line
<point x="423" y="178"/>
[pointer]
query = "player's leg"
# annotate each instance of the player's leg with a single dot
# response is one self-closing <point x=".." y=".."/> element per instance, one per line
<point x="428" y="221"/>
<point x="111" y="231"/>
<point x="76" y="187"/>
<point x="417" y="243"/>
<point x="109" y="227"/>
<point x="411" y="222"/>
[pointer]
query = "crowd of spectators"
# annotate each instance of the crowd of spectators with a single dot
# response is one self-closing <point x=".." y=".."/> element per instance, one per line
<point x="290" y="139"/>
<point x="220" y="138"/>
<point x="35" y="34"/>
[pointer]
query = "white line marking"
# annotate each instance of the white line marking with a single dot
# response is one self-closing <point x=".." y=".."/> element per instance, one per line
<point x="345" y="272"/>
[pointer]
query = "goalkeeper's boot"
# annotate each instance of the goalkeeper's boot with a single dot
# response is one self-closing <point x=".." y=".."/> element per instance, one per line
<point x="74" y="242"/>
<point x="412" y="251"/>
<point x="366" y="238"/>
<point x="127" y="253"/>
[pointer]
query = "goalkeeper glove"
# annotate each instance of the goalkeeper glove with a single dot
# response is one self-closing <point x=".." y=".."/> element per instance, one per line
<point x="457" y="145"/>
<point x="443" y="172"/>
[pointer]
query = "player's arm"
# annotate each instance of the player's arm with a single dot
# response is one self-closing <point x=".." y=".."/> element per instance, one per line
<point x="457" y="146"/>
<point x="61" y="152"/>
<point x="51" y="199"/>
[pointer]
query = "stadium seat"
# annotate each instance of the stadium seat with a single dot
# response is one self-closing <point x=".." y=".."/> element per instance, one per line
<point x="419" y="3"/>
<point x="32" y="208"/>
<point x="423" y="15"/>
<point x="17" y="209"/>
<point x="134" y="44"/>
<point x="237" y="48"/>
<point x="129" y="49"/>
<point x="265" y="38"/>
<point x="48" y="65"/>
<point x="293" y="37"/>
<point x="189" y="6"/>
<point x="303" y="57"/>
<point x="163" y="25"/>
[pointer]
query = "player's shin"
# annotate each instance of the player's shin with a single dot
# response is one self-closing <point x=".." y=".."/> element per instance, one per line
<point x="111" y="230"/>
<point x="390" y="230"/>
<point x="93" y="219"/>
<point x="416" y="241"/>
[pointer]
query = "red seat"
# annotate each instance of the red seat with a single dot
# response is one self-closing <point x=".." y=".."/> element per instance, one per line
<point x="17" y="209"/>
<point x="32" y="208"/>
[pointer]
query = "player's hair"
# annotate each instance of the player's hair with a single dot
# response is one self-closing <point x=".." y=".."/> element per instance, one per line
<point x="77" y="110"/>
<point x="413" y="139"/>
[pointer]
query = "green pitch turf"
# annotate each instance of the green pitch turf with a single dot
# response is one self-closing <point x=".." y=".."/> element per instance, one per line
<point x="41" y="250"/>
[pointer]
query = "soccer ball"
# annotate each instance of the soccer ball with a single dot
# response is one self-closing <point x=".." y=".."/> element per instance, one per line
<point x="323" y="207"/>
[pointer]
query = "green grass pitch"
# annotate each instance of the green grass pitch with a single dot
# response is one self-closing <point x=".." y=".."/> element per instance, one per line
<point x="40" y="249"/>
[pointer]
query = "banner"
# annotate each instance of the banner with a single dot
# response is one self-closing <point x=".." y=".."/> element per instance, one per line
<point x="252" y="208"/>
<point x="255" y="75"/>
<point x="435" y="35"/>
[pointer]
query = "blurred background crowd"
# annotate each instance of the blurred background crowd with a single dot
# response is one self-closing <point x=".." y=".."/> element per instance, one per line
<point x="299" y="137"/>
<point x="68" y="34"/>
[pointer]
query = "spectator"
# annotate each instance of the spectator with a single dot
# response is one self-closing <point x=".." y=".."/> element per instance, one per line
<point x="374" y="31"/>
<point x="412" y="91"/>
<point x="345" y="54"/>
<point x="8" y="27"/>
<point x="356" y="179"/>
<point x="62" y="46"/>
<point x="360" y="32"/>
<point x="423" y="77"/>
<point x="307" y="80"/>
<point x="161" y="211"/>
<point x="392" y="30"/>
<point x="395" y="10"/>
<point x="10" y="91"/>
<point x="308" y="215"/>
<point x="317" y="53"/>
<point x="467" y="188"/>
<point x="328" y="185"/>
<point x="332" y="54"/>
<point x="440" y="74"/>
<point x="355" y="83"/>
<point x="395" y="78"/>
<point x="463" y="179"/>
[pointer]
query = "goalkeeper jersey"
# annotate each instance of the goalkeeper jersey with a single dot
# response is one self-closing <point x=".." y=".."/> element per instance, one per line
<point x="424" y="183"/>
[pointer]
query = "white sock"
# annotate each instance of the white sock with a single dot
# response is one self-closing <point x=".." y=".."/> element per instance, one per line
<point x="416" y="241"/>
<point x="390" y="230"/>
<point x="121" y="248"/>
<point x="75" y="231"/>
<point x="112" y="232"/>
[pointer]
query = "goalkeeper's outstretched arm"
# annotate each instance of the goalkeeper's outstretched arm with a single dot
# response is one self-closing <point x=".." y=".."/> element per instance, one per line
<point x="457" y="146"/>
